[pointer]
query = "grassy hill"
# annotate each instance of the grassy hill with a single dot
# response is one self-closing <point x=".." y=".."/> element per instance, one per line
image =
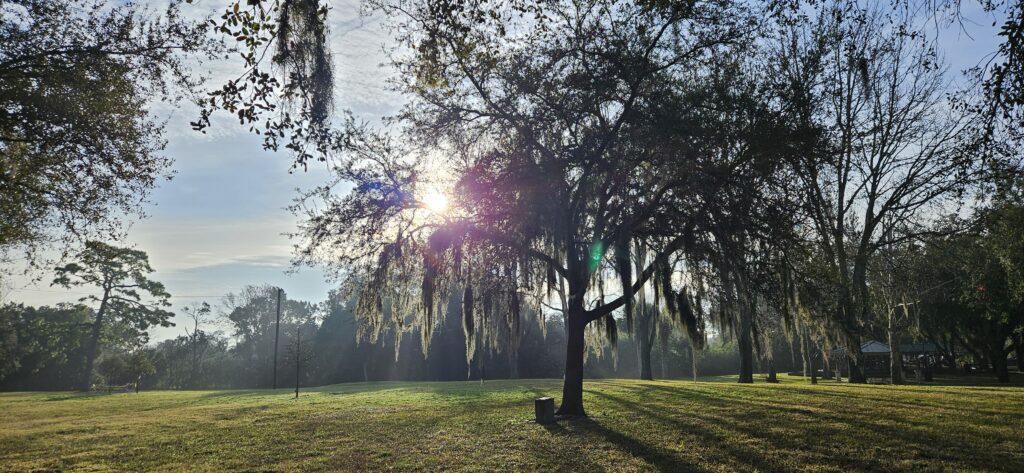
<point x="633" y="426"/>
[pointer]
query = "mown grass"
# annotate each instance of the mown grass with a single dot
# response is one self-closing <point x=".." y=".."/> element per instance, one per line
<point x="633" y="426"/>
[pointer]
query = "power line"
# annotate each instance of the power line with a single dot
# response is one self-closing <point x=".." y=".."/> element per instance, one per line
<point x="91" y="293"/>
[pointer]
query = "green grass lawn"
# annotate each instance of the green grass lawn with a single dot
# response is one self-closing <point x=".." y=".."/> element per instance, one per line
<point x="633" y="426"/>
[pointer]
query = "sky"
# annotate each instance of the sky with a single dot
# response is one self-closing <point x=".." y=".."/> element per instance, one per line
<point x="220" y="223"/>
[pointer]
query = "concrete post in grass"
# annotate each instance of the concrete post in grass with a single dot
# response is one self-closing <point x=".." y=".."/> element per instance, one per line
<point x="544" y="408"/>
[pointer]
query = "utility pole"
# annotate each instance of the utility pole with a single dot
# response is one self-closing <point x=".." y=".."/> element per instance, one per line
<point x="277" y="334"/>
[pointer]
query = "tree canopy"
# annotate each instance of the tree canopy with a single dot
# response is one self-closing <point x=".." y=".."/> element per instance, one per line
<point x="80" y="144"/>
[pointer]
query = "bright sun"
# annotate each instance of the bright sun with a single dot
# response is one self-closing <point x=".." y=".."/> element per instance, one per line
<point x="436" y="201"/>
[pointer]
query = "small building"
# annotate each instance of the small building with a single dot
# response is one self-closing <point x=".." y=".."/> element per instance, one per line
<point x="917" y="359"/>
<point x="875" y="359"/>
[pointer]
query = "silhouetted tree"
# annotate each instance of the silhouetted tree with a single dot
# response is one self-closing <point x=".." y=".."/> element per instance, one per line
<point x="892" y="151"/>
<point x="126" y="294"/>
<point x="139" y="365"/>
<point x="252" y="313"/>
<point x="588" y="139"/>
<point x="299" y="354"/>
<point x="199" y="314"/>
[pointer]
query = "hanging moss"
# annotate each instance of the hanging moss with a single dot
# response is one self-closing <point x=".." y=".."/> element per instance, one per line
<point x="611" y="330"/>
<point x="515" y="316"/>
<point x="427" y="293"/>
<point x="486" y="305"/>
<point x="467" y="310"/>
<point x="691" y="319"/>
<point x="552" y="279"/>
<point x="664" y="276"/>
<point x="457" y="261"/>
<point x="302" y="51"/>
<point x="624" y="268"/>
<point x="468" y="327"/>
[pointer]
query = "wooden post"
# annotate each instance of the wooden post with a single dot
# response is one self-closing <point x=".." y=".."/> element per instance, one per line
<point x="544" y="409"/>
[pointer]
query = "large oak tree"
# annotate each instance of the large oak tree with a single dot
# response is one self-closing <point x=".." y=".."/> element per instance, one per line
<point x="569" y="135"/>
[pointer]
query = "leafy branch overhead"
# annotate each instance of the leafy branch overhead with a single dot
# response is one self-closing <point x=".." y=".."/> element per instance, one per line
<point x="287" y="97"/>
<point x="80" y="147"/>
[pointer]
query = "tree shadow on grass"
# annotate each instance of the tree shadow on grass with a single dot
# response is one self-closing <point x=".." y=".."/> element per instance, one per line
<point x="973" y="403"/>
<point x="76" y="396"/>
<point x="660" y="458"/>
<point x="817" y="438"/>
<point x="733" y="453"/>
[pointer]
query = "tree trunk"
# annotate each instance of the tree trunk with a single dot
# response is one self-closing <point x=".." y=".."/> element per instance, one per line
<point x="772" y="375"/>
<point x="849" y="315"/>
<point x="814" y="371"/>
<point x="572" y="387"/>
<point x="745" y="328"/>
<point x="663" y="352"/>
<point x="646" y="372"/>
<point x="895" y="357"/>
<point x="803" y="354"/>
<point x="809" y="354"/>
<point x="481" y="364"/>
<point x="693" y="360"/>
<point x="999" y="365"/>
<point x="277" y="334"/>
<point x="792" y="355"/>
<point x="856" y="375"/>
<point x="94" y="342"/>
<point x="746" y="347"/>
<point x="644" y="344"/>
<point x="1020" y="353"/>
<point x="298" y="359"/>
<point x="950" y="354"/>
<point x="513" y="363"/>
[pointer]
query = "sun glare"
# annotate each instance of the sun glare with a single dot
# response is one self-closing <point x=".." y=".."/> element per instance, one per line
<point x="436" y="201"/>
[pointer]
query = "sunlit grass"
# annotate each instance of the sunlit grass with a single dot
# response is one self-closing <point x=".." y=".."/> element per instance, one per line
<point x="633" y="426"/>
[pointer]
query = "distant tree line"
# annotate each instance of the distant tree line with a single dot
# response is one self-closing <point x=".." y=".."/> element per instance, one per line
<point x="231" y="347"/>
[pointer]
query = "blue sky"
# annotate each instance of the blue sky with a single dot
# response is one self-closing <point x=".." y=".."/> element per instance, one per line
<point x="220" y="223"/>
